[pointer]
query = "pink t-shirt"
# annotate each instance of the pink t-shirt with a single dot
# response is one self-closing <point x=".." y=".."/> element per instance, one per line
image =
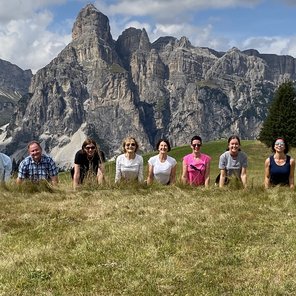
<point x="196" y="169"/>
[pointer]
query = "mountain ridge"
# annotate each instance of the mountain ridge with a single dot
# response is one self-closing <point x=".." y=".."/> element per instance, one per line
<point x="109" y="89"/>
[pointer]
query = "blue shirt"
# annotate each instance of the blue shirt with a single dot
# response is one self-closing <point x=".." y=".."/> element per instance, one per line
<point x="43" y="170"/>
<point x="5" y="167"/>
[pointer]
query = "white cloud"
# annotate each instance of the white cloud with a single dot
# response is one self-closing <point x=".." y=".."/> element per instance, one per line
<point x="198" y="36"/>
<point x="175" y="18"/>
<point x="273" y="45"/>
<point x="24" y="35"/>
<point x="23" y="9"/>
<point x="167" y="10"/>
<point x="28" y="44"/>
<point x="291" y="46"/>
<point x="170" y="17"/>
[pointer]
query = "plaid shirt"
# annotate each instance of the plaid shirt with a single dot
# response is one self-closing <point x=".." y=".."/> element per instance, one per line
<point x="43" y="170"/>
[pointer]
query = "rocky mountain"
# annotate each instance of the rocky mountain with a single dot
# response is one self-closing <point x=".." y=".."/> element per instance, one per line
<point x="109" y="89"/>
<point x="14" y="83"/>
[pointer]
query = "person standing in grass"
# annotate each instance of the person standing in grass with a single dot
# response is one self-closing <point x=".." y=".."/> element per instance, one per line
<point x="162" y="167"/>
<point x="5" y="167"/>
<point x="37" y="166"/>
<point x="196" y="165"/>
<point x="89" y="162"/>
<point x="233" y="163"/>
<point x="129" y="165"/>
<point x="279" y="167"/>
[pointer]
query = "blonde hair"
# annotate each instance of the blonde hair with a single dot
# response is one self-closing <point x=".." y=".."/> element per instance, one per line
<point x="129" y="139"/>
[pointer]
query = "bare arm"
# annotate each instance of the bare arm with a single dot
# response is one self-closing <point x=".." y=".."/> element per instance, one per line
<point x="19" y="181"/>
<point x="291" y="177"/>
<point x="207" y="174"/>
<point x="54" y="180"/>
<point x="244" y="177"/>
<point x="184" y="177"/>
<point x="222" y="178"/>
<point x="150" y="174"/>
<point x="173" y="175"/>
<point x="101" y="173"/>
<point x="76" y="177"/>
<point x="267" y="174"/>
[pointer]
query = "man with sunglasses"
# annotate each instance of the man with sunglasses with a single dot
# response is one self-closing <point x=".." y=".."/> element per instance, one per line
<point x="196" y="165"/>
<point x="88" y="163"/>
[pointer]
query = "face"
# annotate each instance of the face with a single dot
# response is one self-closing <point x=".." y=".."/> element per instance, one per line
<point x="279" y="145"/>
<point x="195" y="145"/>
<point x="130" y="146"/>
<point x="90" y="149"/>
<point x="163" y="147"/>
<point x="35" y="152"/>
<point x="234" y="146"/>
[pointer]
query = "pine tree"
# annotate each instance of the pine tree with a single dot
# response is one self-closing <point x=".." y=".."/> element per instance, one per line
<point x="281" y="117"/>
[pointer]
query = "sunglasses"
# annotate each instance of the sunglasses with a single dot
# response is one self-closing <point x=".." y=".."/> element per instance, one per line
<point x="279" y="143"/>
<point x="90" y="147"/>
<point x="130" y="144"/>
<point x="195" y="145"/>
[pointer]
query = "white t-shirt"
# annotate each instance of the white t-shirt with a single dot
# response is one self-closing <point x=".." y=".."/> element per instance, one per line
<point x="162" y="170"/>
<point x="129" y="169"/>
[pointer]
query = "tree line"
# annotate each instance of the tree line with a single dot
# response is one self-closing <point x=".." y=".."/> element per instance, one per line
<point x="281" y="117"/>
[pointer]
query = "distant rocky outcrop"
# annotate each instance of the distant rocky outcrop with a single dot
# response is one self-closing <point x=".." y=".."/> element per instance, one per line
<point x="169" y="88"/>
<point x="14" y="82"/>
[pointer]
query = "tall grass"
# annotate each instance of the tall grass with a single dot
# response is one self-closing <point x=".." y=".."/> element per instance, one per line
<point x="157" y="240"/>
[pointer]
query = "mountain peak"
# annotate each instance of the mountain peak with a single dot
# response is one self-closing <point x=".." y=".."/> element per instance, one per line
<point x="90" y="21"/>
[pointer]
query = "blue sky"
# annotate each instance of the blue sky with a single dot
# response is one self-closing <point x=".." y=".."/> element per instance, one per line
<point x="33" y="32"/>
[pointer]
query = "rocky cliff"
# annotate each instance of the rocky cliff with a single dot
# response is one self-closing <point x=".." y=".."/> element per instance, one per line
<point x="14" y="82"/>
<point x="110" y="89"/>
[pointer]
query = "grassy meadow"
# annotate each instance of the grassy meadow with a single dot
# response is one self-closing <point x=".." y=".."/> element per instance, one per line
<point x="158" y="240"/>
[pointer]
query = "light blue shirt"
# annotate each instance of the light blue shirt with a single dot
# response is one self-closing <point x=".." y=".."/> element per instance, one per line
<point x="5" y="167"/>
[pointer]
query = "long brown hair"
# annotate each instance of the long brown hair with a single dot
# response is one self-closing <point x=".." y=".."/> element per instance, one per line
<point x="97" y="148"/>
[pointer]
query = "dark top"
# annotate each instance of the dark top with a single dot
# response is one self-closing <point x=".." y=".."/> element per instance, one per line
<point x="87" y="165"/>
<point x="279" y="174"/>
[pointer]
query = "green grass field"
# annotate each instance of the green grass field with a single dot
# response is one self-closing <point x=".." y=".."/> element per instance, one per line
<point x="158" y="240"/>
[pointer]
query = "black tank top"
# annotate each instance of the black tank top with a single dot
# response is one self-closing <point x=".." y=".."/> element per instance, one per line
<point x="279" y="174"/>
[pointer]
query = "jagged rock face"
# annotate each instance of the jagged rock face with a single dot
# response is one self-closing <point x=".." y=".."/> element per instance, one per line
<point x="14" y="82"/>
<point x="92" y="39"/>
<point x="109" y="90"/>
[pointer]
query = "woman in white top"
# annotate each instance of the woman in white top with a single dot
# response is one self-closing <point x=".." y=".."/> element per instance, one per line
<point x="162" y="167"/>
<point x="129" y="165"/>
